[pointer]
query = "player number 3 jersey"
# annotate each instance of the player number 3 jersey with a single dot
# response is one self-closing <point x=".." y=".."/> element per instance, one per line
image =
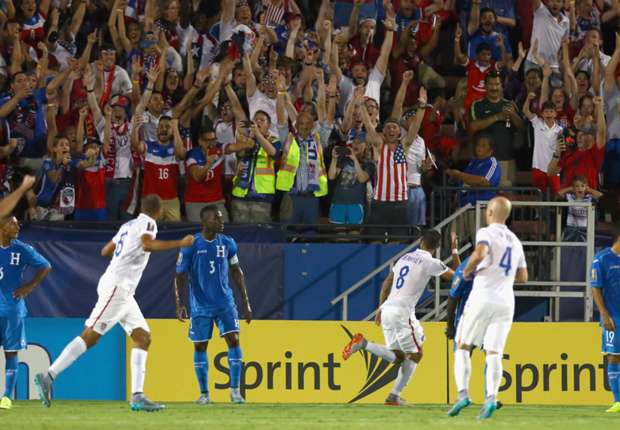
<point x="411" y="274"/>
<point x="207" y="262"/>
<point x="130" y="259"/>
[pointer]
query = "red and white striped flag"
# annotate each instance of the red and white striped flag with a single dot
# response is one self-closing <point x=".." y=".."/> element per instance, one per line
<point x="391" y="175"/>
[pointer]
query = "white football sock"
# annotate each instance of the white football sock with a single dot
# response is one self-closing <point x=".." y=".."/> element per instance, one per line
<point x="405" y="372"/>
<point x="381" y="351"/>
<point x="462" y="369"/>
<point x="72" y="351"/>
<point x="138" y="370"/>
<point x="493" y="375"/>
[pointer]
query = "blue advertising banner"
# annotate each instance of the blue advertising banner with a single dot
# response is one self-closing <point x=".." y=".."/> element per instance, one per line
<point x="99" y="374"/>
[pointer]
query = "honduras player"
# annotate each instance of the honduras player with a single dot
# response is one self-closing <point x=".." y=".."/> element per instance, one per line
<point x="14" y="257"/>
<point x="457" y="297"/>
<point x="606" y="292"/>
<point x="211" y="299"/>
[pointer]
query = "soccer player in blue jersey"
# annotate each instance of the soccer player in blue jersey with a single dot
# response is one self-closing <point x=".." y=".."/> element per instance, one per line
<point x="208" y="263"/>
<point x="457" y="297"/>
<point x="606" y="292"/>
<point x="14" y="257"/>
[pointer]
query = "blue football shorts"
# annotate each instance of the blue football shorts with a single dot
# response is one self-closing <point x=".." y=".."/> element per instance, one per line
<point x="13" y="333"/>
<point x="201" y="327"/>
<point x="611" y="340"/>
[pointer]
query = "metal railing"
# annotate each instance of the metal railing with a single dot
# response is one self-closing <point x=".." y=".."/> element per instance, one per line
<point x="444" y="200"/>
<point x="555" y="294"/>
<point x="344" y="296"/>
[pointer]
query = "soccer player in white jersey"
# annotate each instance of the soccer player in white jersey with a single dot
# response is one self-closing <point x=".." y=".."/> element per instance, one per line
<point x="130" y="250"/>
<point x="400" y="293"/>
<point x="497" y="261"/>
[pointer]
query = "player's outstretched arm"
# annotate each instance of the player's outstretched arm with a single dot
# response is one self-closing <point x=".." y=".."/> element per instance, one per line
<point x="474" y="259"/>
<point x="108" y="249"/>
<point x="153" y="245"/>
<point x="180" y="281"/>
<point x="521" y="276"/>
<point x="8" y="204"/>
<point x="239" y="279"/>
<point x="27" y="288"/>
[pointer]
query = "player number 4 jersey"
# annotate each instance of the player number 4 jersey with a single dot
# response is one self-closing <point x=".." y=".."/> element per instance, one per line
<point x="411" y="274"/>
<point x="495" y="275"/>
<point x="130" y="259"/>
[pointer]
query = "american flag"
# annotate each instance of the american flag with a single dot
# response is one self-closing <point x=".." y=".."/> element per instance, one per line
<point x="275" y="14"/>
<point x="391" y="175"/>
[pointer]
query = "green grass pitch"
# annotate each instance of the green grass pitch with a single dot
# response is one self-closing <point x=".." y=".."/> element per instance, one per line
<point x="31" y="415"/>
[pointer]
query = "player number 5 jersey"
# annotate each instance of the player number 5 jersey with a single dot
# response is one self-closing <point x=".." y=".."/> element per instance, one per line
<point x="411" y="274"/>
<point x="130" y="259"/>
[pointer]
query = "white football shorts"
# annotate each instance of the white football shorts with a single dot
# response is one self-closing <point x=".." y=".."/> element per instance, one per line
<point x="485" y="325"/>
<point x="115" y="305"/>
<point x="401" y="329"/>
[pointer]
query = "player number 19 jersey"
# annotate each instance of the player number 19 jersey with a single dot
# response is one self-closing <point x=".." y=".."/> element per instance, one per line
<point x="411" y="274"/>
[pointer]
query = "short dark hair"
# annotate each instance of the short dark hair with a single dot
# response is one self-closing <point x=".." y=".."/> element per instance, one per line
<point x="487" y="9"/>
<point x="210" y="208"/>
<point x="580" y="178"/>
<point x="583" y="72"/>
<point x="548" y="105"/>
<point x="151" y="204"/>
<point x="536" y="70"/>
<point x="165" y="118"/>
<point x="262" y="112"/>
<point x="483" y="47"/>
<point x="491" y="75"/>
<point x="431" y="239"/>
<point x="615" y="231"/>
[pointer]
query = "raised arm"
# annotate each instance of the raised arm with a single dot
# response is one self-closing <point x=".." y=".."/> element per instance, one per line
<point x="610" y="70"/>
<point x="9" y="202"/>
<point x="386" y="47"/>
<point x="526" y="106"/>
<point x="414" y="128"/>
<point x="459" y="58"/>
<point x="601" y="124"/>
<point x="474" y="17"/>
<point x="250" y="79"/>
<point x="399" y="100"/>
<point x="89" y="83"/>
<point x="373" y="137"/>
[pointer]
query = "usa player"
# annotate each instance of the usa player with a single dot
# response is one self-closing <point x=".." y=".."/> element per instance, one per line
<point x="606" y="293"/>
<point x="130" y="250"/>
<point x="498" y="261"/>
<point x="14" y="257"/>
<point x="208" y="263"/>
<point x="400" y="293"/>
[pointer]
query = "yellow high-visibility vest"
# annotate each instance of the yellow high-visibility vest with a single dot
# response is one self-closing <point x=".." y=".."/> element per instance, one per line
<point x="286" y="175"/>
<point x="264" y="176"/>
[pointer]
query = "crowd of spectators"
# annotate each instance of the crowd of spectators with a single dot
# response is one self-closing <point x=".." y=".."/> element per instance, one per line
<point x="298" y="110"/>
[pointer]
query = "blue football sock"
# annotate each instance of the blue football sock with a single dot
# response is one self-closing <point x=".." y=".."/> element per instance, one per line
<point x="201" y="367"/>
<point x="235" y="364"/>
<point x="11" y="376"/>
<point x="613" y="374"/>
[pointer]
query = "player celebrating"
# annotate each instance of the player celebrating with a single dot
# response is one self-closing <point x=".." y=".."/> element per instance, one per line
<point x="211" y="299"/>
<point x="498" y="261"/>
<point x="14" y="257"/>
<point x="400" y="293"/>
<point x="130" y="250"/>
<point x="606" y="293"/>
